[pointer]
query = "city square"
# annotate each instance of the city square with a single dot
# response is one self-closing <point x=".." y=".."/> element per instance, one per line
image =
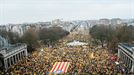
<point x="66" y="37"/>
<point x="84" y="60"/>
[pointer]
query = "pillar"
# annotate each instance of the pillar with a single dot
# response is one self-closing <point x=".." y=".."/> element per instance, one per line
<point x="18" y="56"/>
<point x="26" y="52"/>
<point x="122" y="56"/>
<point x="130" y="63"/>
<point x="119" y="53"/>
<point x="125" y="59"/>
<point x="132" y="67"/>
<point x="15" y="59"/>
<point x="5" y="64"/>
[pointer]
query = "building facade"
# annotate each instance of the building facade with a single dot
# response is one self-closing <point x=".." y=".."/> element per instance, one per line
<point x="10" y="56"/>
<point x="126" y="54"/>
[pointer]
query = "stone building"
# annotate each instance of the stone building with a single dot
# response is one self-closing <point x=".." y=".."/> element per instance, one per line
<point x="11" y="54"/>
<point x="126" y="53"/>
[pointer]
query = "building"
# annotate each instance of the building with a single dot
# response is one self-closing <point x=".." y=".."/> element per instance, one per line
<point x="11" y="54"/>
<point x="116" y="21"/>
<point x="104" y="21"/>
<point x="126" y="54"/>
<point x="3" y="42"/>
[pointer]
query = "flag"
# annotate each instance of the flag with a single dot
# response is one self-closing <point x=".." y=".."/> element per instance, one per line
<point x="60" y="67"/>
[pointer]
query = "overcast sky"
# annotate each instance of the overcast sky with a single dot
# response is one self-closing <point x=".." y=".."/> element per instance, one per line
<point x="22" y="11"/>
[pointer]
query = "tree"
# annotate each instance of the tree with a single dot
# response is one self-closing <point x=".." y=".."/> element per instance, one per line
<point x="11" y="36"/>
<point x="111" y="35"/>
<point x="30" y="37"/>
<point x="98" y="32"/>
<point x="124" y="33"/>
<point x="52" y="35"/>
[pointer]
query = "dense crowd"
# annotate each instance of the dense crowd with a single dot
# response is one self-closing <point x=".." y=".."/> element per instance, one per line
<point x="85" y="60"/>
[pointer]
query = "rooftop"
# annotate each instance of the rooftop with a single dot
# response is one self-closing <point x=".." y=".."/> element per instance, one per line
<point x="128" y="46"/>
<point x="11" y="48"/>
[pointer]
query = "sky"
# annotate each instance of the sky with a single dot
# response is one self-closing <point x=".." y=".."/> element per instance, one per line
<point x="27" y="11"/>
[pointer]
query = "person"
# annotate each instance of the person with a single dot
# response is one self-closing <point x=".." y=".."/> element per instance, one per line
<point x="79" y="56"/>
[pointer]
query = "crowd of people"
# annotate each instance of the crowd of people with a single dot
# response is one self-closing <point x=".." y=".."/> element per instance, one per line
<point x="85" y="60"/>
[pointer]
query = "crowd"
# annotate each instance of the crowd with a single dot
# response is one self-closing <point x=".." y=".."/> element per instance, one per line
<point x="85" y="60"/>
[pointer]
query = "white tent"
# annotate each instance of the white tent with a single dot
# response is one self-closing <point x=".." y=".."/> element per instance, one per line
<point x="76" y="43"/>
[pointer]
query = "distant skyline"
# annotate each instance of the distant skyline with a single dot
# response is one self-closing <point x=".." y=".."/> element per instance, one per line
<point x="26" y="11"/>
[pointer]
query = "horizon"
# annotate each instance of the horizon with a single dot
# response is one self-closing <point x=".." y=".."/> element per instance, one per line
<point x="69" y="20"/>
<point x="30" y="11"/>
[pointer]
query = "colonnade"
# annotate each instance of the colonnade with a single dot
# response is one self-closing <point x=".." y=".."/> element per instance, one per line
<point x="127" y="58"/>
<point x="14" y="58"/>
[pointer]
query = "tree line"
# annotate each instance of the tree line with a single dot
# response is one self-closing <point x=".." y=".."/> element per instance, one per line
<point x="33" y="37"/>
<point x="111" y="36"/>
